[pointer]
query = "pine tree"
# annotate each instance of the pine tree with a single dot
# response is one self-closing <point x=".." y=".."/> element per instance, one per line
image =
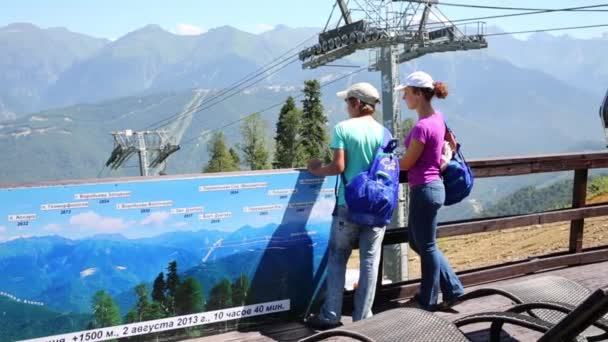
<point x="158" y="289"/>
<point x="153" y="311"/>
<point x="141" y="306"/>
<point x="189" y="297"/>
<point x="221" y="160"/>
<point x="172" y="278"/>
<point x="254" y="147"/>
<point x="288" y="127"/>
<point x="240" y="290"/>
<point x="132" y="316"/>
<point x="220" y="296"/>
<point x="235" y="156"/>
<point x="171" y="285"/>
<point x="314" y="140"/>
<point x="105" y="311"/>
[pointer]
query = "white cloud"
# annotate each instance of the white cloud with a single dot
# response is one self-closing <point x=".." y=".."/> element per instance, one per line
<point x="88" y="272"/>
<point x="53" y="227"/>
<point x="180" y="224"/>
<point x="92" y="221"/>
<point x="261" y="28"/>
<point x="2" y="229"/>
<point x="322" y="210"/>
<point x="188" y="30"/>
<point x="156" y="219"/>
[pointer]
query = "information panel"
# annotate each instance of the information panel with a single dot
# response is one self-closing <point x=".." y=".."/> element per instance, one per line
<point x="103" y="261"/>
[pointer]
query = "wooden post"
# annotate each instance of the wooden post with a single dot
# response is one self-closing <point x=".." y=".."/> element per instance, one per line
<point x="579" y="197"/>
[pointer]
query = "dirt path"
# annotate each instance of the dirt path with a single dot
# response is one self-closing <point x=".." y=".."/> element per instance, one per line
<point x="473" y="251"/>
<point x="484" y="249"/>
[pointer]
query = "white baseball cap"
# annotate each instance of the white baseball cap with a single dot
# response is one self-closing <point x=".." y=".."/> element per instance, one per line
<point x="418" y="79"/>
<point x="363" y="91"/>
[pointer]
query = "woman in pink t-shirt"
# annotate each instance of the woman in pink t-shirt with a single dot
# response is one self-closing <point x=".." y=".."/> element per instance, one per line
<point x="422" y="162"/>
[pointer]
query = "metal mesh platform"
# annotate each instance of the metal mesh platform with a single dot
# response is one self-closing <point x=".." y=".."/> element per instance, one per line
<point x="407" y="324"/>
<point x="543" y="289"/>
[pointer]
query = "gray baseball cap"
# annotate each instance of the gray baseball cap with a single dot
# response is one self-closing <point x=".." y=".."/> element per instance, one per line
<point x="363" y="91"/>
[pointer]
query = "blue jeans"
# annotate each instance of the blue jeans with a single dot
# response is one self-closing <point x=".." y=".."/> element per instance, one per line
<point x="342" y="238"/>
<point x="425" y="201"/>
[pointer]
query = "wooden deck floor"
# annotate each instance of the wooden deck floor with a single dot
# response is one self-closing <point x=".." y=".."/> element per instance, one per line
<point x="592" y="276"/>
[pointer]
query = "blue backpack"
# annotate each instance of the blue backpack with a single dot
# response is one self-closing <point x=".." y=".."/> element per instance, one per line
<point x="371" y="196"/>
<point x="457" y="178"/>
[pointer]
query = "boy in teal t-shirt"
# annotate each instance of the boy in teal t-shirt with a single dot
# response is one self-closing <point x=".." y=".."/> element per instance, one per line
<point x="359" y="137"/>
<point x="354" y="143"/>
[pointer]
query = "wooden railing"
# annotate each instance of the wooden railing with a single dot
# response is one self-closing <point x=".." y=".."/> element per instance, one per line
<point x="580" y="163"/>
<point x="576" y="254"/>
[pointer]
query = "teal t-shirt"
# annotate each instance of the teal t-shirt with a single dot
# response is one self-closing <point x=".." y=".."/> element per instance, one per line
<point x="359" y="138"/>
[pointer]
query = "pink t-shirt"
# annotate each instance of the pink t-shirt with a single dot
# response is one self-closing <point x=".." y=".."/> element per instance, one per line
<point x="431" y="132"/>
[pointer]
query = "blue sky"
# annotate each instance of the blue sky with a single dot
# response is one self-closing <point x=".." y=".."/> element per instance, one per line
<point x="114" y="18"/>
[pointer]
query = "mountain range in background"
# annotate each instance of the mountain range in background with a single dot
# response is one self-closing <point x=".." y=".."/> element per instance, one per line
<point x="46" y="68"/>
<point x="62" y="93"/>
<point x="64" y="273"/>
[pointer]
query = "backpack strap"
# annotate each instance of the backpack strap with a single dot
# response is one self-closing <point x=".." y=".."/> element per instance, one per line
<point x="386" y="137"/>
<point x="459" y="152"/>
<point x="335" y="212"/>
<point x="342" y="179"/>
<point x="388" y="143"/>
<point x="452" y="137"/>
<point x="387" y="140"/>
